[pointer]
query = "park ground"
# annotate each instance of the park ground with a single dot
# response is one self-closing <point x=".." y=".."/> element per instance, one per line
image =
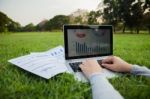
<point x="17" y="83"/>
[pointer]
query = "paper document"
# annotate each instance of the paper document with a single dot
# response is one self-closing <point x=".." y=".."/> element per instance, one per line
<point x="57" y="52"/>
<point x="45" y="64"/>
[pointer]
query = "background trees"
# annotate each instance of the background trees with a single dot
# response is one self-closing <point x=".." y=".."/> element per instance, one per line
<point x="110" y="12"/>
<point x="57" y="22"/>
<point x="13" y="26"/>
<point x="4" y="20"/>
<point x="78" y="20"/>
<point x="122" y="14"/>
<point x="7" y="24"/>
<point x="93" y="17"/>
<point x="130" y="12"/>
<point x="29" y="27"/>
<point x="146" y="21"/>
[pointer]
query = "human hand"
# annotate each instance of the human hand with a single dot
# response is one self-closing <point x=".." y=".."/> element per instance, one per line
<point x="115" y="63"/>
<point x="89" y="67"/>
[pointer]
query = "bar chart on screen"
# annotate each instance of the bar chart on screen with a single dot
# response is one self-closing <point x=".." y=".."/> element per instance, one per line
<point x="82" y="48"/>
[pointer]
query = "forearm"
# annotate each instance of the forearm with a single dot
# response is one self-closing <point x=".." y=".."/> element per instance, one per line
<point x="138" y="70"/>
<point x="102" y="89"/>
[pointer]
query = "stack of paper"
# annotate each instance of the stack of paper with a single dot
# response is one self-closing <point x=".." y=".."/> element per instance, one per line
<point x="45" y="64"/>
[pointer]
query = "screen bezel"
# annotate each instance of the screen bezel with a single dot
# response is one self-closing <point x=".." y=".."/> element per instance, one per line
<point x="66" y="27"/>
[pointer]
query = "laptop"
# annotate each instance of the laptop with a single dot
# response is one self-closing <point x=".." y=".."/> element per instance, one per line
<point x="87" y="41"/>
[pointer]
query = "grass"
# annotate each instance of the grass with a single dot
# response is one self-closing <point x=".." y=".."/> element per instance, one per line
<point x="17" y="83"/>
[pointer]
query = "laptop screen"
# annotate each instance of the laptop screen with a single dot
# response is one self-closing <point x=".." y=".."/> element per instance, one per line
<point x="87" y="41"/>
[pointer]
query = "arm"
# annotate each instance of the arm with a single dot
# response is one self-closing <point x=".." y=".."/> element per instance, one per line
<point x="138" y="70"/>
<point x="101" y="88"/>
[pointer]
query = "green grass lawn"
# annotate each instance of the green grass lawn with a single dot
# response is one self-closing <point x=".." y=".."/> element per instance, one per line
<point x="17" y="83"/>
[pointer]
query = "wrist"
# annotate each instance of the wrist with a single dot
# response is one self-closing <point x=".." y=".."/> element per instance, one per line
<point x="128" y="67"/>
<point x="94" y="74"/>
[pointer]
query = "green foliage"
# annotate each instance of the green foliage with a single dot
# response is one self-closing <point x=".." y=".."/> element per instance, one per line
<point x="111" y="12"/>
<point x="146" y="5"/>
<point x="29" y="27"/>
<point x="4" y="21"/>
<point x="78" y="20"/>
<point x="125" y="13"/>
<point x="14" y="26"/>
<point x="7" y="24"/>
<point x="57" y="22"/>
<point x="92" y="17"/>
<point x="147" y="20"/>
<point x="18" y="84"/>
<point x="41" y="26"/>
<point x="130" y="12"/>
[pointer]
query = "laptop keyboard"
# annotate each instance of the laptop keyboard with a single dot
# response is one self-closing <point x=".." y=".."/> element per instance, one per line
<point x="76" y="68"/>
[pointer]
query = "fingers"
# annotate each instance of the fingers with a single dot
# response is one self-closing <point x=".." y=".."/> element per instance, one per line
<point x="109" y="59"/>
<point x="108" y="62"/>
<point x="108" y="66"/>
<point x="81" y="66"/>
<point x="88" y="63"/>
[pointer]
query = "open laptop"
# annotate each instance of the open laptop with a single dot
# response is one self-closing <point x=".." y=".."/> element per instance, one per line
<point x="87" y="41"/>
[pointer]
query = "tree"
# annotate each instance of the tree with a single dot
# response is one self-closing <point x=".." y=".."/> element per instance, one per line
<point x="7" y="24"/>
<point x="78" y="20"/>
<point x="92" y="17"/>
<point x="110" y="13"/>
<point x="4" y="21"/>
<point x="137" y="16"/>
<point x="14" y="26"/>
<point x="57" y="22"/>
<point x="41" y="26"/>
<point x="146" y="5"/>
<point x="146" y="21"/>
<point x="29" y="27"/>
<point x="130" y="12"/>
<point x="125" y="13"/>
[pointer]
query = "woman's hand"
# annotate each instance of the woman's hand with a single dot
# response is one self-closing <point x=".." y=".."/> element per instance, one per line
<point x="90" y="66"/>
<point x="115" y="63"/>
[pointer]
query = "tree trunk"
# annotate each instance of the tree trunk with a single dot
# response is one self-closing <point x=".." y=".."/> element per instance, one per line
<point x="137" y="30"/>
<point x="149" y="29"/>
<point x="114" y="29"/>
<point x="124" y="27"/>
<point x="131" y="30"/>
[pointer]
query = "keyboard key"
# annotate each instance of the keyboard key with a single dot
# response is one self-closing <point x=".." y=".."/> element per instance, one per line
<point x="76" y="68"/>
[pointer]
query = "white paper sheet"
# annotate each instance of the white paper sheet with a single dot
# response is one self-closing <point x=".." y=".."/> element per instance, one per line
<point x="46" y="64"/>
<point x="57" y="52"/>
